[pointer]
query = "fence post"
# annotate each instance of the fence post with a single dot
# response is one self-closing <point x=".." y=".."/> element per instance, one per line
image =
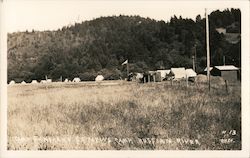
<point x="187" y="80"/>
<point x="226" y="86"/>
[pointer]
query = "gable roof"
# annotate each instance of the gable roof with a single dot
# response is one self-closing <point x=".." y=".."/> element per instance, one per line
<point x="190" y="73"/>
<point x="179" y="72"/>
<point x="226" y="67"/>
<point x="210" y="68"/>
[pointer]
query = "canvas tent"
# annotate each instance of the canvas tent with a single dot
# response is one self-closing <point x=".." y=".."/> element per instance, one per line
<point x="178" y="73"/>
<point x="12" y="82"/>
<point x="190" y="73"/>
<point x="43" y="81"/>
<point x="76" y="79"/>
<point x="99" y="78"/>
<point x="34" y="81"/>
<point x="23" y="82"/>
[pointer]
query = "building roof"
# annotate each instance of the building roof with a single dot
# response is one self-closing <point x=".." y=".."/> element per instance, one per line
<point x="190" y="73"/>
<point x="209" y="69"/>
<point x="226" y="67"/>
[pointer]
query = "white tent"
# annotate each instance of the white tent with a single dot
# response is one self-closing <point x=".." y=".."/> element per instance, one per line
<point x="178" y="73"/>
<point x="49" y="80"/>
<point x="12" y="82"/>
<point x="34" y="81"/>
<point x="23" y="82"/>
<point x="99" y="78"/>
<point x="66" y="80"/>
<point x="76" y="79"/>
<point x="190" y="73"/>
<point x="43" y="81"/>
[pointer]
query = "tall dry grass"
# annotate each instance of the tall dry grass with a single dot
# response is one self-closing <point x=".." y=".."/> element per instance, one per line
<point x="125" y="116"/>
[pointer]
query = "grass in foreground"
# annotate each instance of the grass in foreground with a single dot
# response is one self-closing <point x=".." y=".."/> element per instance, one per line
<point x="125" y="116"/>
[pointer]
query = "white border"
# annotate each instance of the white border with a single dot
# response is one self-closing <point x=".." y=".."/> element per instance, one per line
<point x="244" y="7"/>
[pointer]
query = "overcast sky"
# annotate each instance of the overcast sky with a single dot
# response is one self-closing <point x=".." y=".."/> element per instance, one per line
<point x="50" y="15"/>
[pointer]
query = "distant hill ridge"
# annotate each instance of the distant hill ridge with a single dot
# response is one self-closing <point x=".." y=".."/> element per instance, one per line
<point x="100" y="46"/>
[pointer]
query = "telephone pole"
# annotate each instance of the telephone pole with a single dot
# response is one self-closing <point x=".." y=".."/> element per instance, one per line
<point x="208" y="51"/>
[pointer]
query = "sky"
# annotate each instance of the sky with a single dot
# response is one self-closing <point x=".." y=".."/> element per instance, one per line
<point x="21" y="15"/>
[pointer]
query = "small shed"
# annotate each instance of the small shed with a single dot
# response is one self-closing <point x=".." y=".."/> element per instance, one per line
<point x="227" y="72"/>
<point x="178" y="73"/>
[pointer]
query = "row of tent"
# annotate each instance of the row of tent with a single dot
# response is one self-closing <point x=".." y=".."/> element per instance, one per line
<point x="160" y="75"/>
<point x="76" y="79"/>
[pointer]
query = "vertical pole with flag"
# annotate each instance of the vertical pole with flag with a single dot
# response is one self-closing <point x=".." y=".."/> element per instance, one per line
<point x="208" y="51"/>
<point x="126" y="63"/>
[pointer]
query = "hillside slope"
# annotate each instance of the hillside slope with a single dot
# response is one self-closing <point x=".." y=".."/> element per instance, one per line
<point x="100" y="46"/>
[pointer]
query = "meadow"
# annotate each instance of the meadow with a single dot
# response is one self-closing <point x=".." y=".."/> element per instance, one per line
<point x="124" y="116"/>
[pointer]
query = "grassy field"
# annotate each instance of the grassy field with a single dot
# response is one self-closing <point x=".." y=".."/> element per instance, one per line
<point x="122" y="116"/>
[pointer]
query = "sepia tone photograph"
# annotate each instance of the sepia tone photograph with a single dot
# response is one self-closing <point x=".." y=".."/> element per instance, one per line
<point x="136" y="75"/>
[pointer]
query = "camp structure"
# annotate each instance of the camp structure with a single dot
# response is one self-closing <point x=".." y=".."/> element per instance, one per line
<point x="23" y="82"/>
<point x="49" y="80"/>
<point x="66" y="80"/>
<point x="99" y="78"/>
<point x="227" y="72"/>
<point x="191" y="73"/>
<point x="76" y="79"/>
<point x="12" y="82"/>
<point x="34" y="82"/>
<point x="178" y="73"/>
<point x="205" y="70"/>
<point x="151" y="76"/>
<point x="164" y="74"/>
<point x="43" y="81"/>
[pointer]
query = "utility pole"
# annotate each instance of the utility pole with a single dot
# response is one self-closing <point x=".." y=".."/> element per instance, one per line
<point x="208" y="51"/>
<point x="224" y="60"/>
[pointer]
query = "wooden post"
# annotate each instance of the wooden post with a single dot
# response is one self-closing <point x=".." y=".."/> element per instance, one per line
<point x="148" y="77"/>
<point x="208" y="51"/>
<point x="224" y="60"/>
<point x="187" y="80"/>
<point x="226" y="86"/>
<point x="127" y="69"/>
<point x="154" y="78"/>
<point x="193" y="63"/>
<point x="144" y="79"/>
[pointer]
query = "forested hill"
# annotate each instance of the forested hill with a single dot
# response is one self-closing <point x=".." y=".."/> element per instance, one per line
<point x="100" y="46"/>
